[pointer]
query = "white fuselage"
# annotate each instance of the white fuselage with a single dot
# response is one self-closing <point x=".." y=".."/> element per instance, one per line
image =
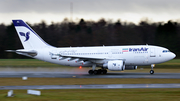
<point x="108" y="57"/>
<point x="132" y="55"/>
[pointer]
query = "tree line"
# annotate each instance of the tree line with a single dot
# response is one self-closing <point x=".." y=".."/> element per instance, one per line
<point x="95" y="33"/>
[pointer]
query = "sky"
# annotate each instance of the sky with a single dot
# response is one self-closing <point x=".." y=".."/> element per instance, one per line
<point x="34" y="11"/>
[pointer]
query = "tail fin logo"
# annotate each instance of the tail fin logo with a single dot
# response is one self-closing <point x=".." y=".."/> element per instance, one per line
<point x="25" y="35"/>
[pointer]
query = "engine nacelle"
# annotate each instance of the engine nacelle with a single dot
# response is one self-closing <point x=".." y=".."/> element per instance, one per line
<point x="116" y="65"/>
<point x="130" y="67"/>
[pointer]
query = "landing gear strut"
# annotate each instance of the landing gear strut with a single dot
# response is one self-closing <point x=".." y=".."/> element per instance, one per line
<point x="152" y="71"/>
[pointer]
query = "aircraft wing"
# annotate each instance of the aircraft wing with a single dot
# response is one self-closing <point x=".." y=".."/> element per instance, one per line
<point x="82" y="57"/>
<point x="98" y="60"/>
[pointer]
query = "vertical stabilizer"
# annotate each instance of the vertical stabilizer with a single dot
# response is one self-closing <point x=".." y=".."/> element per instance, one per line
<point x="28" y="37"/>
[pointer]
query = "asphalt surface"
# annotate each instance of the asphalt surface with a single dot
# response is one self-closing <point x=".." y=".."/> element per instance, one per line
<point x="81" y="75"/>
<point x="74" y="74"/>
<point x="107" y="86"/>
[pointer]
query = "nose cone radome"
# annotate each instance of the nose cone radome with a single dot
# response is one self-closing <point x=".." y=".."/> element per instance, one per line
<point x="173" y="55"/>
<point x="168" y="56"/>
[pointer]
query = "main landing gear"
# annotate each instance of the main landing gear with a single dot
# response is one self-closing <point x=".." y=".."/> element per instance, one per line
<point x="152" y="71"/>
<point x="99" y="71"/>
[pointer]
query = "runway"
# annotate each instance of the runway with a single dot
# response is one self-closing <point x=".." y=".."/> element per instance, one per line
<point x="11" y="73"/>
<point x="107" y="86"/>
<point x="83" y="75"/>
<point x="48" y="72"/>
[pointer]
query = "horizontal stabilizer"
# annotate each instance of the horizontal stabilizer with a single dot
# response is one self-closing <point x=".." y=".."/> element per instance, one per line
<point x="30" y="53"/>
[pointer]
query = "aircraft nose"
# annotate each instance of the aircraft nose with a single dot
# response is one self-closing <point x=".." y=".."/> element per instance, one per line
<point x="173" y="55"/>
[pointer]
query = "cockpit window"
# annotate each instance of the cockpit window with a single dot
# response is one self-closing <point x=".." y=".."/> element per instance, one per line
<point x="165" y="51"/>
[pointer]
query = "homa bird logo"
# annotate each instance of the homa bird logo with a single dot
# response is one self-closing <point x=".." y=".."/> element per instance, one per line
<point x="25" y="35"/>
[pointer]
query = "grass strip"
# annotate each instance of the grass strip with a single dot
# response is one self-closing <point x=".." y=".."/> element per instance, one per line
<point x="159" y="94"/>
<point x="26" y="63"/>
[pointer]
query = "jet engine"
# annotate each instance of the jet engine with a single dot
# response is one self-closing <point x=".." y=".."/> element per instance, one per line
<point x="116" y="65"/>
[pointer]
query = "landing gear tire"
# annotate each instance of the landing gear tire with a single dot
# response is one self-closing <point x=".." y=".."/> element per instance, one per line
<point x="100" y="71"/>
<point x="91" y="72"/>
<point x="96" y="72"/>
<point x="104" y="71"/>
<point x="151" y="71"/>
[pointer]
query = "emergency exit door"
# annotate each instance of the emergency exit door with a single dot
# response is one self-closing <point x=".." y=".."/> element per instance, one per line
<point x="152" y="52"/>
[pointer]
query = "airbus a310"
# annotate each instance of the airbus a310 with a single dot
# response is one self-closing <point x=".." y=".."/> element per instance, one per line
<point x="114" y="58"/>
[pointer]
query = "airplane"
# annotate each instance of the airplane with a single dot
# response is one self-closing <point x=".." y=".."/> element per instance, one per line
<point x="113" y="58"/>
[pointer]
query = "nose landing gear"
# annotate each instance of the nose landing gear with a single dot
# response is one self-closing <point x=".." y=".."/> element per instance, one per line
<point x="152" y="71"/>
